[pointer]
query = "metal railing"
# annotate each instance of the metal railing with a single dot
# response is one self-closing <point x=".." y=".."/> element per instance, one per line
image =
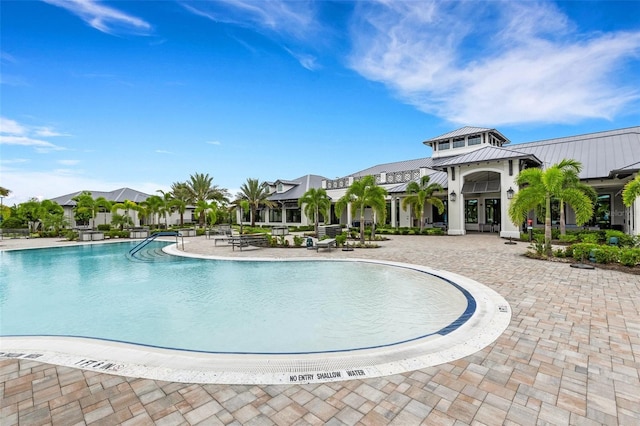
<point x="151" y="238"/>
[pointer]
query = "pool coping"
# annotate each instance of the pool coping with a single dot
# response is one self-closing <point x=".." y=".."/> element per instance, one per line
<point x="491" y="318"/>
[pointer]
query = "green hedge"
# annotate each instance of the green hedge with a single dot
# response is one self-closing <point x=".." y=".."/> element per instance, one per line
<point x="602" y="253"/>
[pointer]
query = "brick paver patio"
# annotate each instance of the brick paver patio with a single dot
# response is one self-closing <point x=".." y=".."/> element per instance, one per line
<point x="571" y="355"/>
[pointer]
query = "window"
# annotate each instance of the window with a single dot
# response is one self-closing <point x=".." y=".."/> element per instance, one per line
<point x="458" y="143"/>
<point x="294" y="215"/>
<point x="279" y="187"/>
<point x="474" y="140"/>
<point x="437" y="217"/>
<point x="443" y="145"/>
<point x="471" y="211"/>
<point x="275" y="215"/>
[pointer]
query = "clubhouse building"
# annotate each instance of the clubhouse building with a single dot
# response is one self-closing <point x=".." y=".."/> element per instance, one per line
<point x="476" y="168"/>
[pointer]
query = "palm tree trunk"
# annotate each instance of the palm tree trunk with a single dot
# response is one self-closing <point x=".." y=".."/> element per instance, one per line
<point x="547" y="227"/>
<point x="563" y="227"/>
<point x="362" y="225"/>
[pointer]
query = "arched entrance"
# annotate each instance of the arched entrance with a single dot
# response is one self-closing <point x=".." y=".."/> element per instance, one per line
<point x="481" y="195"/>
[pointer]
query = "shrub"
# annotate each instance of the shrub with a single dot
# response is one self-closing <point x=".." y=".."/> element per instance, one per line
<point x="341" y="239"/>
<point x="581" y="251"/>
<point x="624" y="240"/>
<point x="559" y="253"/>
<point x="589" y="238"/>
<point x="568" y="251"/>
<point x="607" y="254"/>
<point x="297" y="241"/>
<point x="104" y="227"/>
<point x="71" y="235"/>
<point x="568" y="238"/>
<point x="630" y="256"/>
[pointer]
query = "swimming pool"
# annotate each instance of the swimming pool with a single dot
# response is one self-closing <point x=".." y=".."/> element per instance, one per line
<point x="330" y="315"/>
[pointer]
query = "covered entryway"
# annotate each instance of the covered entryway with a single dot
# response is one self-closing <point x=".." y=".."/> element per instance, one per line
<point x="482" y="204"/>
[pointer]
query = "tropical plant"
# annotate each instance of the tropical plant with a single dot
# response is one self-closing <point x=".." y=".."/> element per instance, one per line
<point x="570" y="192"/>
<point x="631" y="191"/>
<point x="52" y="216"/>
<point x="256" y="194"/>
<point x="125" y="220"/>
<point x="316" y="202"/>
<point x="209" y="210"/>
<point x="5" y="211"/>
<point x="201" y="187"/>
<point x="362" y="194"/>
<point x="103" y="205"/>
<point x="539" y="187"/>
<point x="419" y="194"/>
<point x="153" y="204"/>
<point x="30" y="213"/>
<point x="84" y="211"/>
<point x="180" y="196"/>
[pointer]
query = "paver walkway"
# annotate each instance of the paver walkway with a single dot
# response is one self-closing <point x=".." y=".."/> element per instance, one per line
<point x="571" y="355"/>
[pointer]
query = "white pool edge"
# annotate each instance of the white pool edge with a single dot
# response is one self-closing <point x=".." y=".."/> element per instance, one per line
<point x="489" y="321"/>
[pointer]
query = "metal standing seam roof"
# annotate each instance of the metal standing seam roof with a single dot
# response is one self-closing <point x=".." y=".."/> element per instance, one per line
<point x="488" y="153"/>
<point x="600" y="153"/>
<point x="302" y="185"/>
<point x="434" y="177"/>
<point x="465" y="131"/>
<point x="399" y="166"/>
<point x="116" y="196"/>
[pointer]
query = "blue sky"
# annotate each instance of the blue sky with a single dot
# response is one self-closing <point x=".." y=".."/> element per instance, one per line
<point x="100" y="95"/>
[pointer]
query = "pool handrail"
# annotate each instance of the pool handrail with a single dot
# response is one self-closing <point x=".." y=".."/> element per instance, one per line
<point x="150" y="238"/>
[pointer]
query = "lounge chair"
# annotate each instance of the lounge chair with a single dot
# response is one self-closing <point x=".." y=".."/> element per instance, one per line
<point x="326" y="244"/>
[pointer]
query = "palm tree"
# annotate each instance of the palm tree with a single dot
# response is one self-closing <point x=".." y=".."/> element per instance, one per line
<point x="104" y="205"/>
<point x="165" y="208"/>
<point x="316" y="202"/>
<point x="126" y="206"/>
<point x="631" y="191"/>
<point x="256" y="194"/>
<point x="209" y="210"/>
<point x="539" y="187"/>
<point x="86" y="205"/>
<point x="180" y="196"/>
<point x="567" y="192"/>
<point x="419" y="194"/>
<point x="361" y="194"/>
<point x="153" y="204"/>
<point x="201" y="187"/>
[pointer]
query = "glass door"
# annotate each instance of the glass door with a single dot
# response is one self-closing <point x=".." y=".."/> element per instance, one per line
<point x="492" y="213"/>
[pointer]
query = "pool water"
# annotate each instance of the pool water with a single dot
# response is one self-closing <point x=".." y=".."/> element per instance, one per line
<point x="261" y="307"/>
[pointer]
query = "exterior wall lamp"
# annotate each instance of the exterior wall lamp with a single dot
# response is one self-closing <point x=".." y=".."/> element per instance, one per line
<point x="452" y="196"/>
<point x="510" y="193"/>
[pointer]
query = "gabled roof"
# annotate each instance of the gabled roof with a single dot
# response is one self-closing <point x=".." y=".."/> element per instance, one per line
<point x="488" y="153"/>
<point x="301" y="185"/>
<point x="600" y="153"/>
<point x="434" y="177"/>
<point x="116" y="196"/>
<point x="465" y="131"/>
<point x="399" y="166"/>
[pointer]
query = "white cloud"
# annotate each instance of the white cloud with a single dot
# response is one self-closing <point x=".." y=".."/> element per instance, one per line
<point x="103" y="18"/>
<point x="214" y="143"/>
<point x="538" y="68"/>
<point x="48" y="132"/>
<point x="14" y="133"/>
<point x="39" y="145"/>
<point x="293" y="21"/>
<point x="162" y="151"/>
<point x="11" y="127"/>
<point x="68" y="162"/>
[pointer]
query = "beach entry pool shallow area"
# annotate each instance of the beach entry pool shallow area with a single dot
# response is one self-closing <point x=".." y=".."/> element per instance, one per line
<point x="232" y="321"/>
